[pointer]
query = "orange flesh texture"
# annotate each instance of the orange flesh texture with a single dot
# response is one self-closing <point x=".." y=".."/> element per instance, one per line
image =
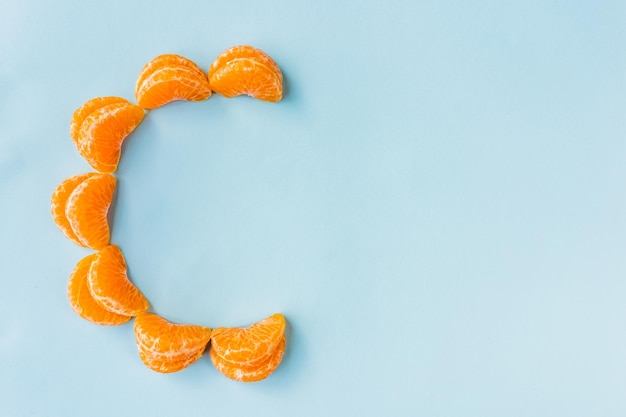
<point x="167" y="365"/>
<point x="169" y="357"/>
<point x="247" y="76"/>
<point x="83" y="303"/>
<point x="245" y="51"/>
<point x="103" y="131"/>
<point x="173" y="83"/>
<point x="86" y="109"/>
<point x="167" y="60"/>
<point x="249" y="346"/>
<point x="109" y="284"/>
<point x="87" y="208"/>
<point x="250" y="373"/>
<point x="155" y="334"/>
<point x="58" y="203"/>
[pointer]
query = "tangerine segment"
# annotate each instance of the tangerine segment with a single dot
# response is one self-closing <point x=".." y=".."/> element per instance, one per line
<point x="83" y="303"/>
<point x="58" y="202"/>
<point x="172" y="83"/>
<point x="249" y="346"/>
<point x="250" y="373"/>
<point x="157" y="335"/>
<point x="87" y="208"/>
<point x="247" y="76"/>
<point x="102" y="132"/>
<point x="245" y="51"/>
<point x="168" y="347"/>
<point x="167" y="60"/>
<point x="86" y="109"/>
<point x="109" y="284"/>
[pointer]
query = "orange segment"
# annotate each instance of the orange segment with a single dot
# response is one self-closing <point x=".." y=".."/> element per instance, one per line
<point x="171" y="83"/>
<point x="245" y="51"/>
<point x="246" y="70"/>
<point x="247" y="76"/>
<point x="168" y="347"/>
<point x="102" y="132"/>
<point x="87" y="208"/>
<point x="58" y="203"/>
<point x="109" y="284"/>
<point x="167" y="60"/>
<point x="83" y="303"/>
<point x="249" y="346"/>
<point x="86" y="109"/>
<point x="250" y="373"/>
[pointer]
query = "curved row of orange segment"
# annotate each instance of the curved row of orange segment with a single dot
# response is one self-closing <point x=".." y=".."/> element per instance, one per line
<point x="100" y="126"/>
<point x="99" y="289"/>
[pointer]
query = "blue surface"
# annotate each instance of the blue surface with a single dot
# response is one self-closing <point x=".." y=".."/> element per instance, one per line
<point x="438" y="207"/>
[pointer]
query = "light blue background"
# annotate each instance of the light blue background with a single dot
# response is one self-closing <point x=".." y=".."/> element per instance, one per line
<point x="438" y="206"/>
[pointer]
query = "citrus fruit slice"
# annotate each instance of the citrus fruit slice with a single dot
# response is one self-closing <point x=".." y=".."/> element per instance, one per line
<point x="246" y="373"/>
<point x="251" y="345"/>
<point x="245" y="51"/>
<point x="87" y="207"/>
<point x="168" y="347"/>
<point x="86" y="109"/>
<point x="58" y="203"/>
<point x="82" y="301"/>
<point x="168" y="78"/>
<point x="167" y="60"/>
<point x="102" y="132"/>
<point x="170" y="84"/>
<point x="109" y="284"/>
<point x="248" y="71"/>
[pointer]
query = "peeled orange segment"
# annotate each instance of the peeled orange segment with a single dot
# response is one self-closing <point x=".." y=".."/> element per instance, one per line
<point x="167" y="362"/>
<point x="245" y="51"/>
<point x="86" y="109"/>
<point x="245" y="373"/>
<point x="109" y="284"/>
<point x="167" y="60"/>
<point x="247" y="76"/>
<point x="249" y="346"/>
<point x="102" y="132"/>
<point x="87" y="207"/>
<point x="58" y="203"/>
<point x="169" y="347"/>
<point x="83" y="303"/>
<point x="167" y="84"/>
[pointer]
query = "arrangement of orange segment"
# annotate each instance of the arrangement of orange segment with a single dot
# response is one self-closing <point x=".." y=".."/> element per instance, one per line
<point x="99" y="288"/>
